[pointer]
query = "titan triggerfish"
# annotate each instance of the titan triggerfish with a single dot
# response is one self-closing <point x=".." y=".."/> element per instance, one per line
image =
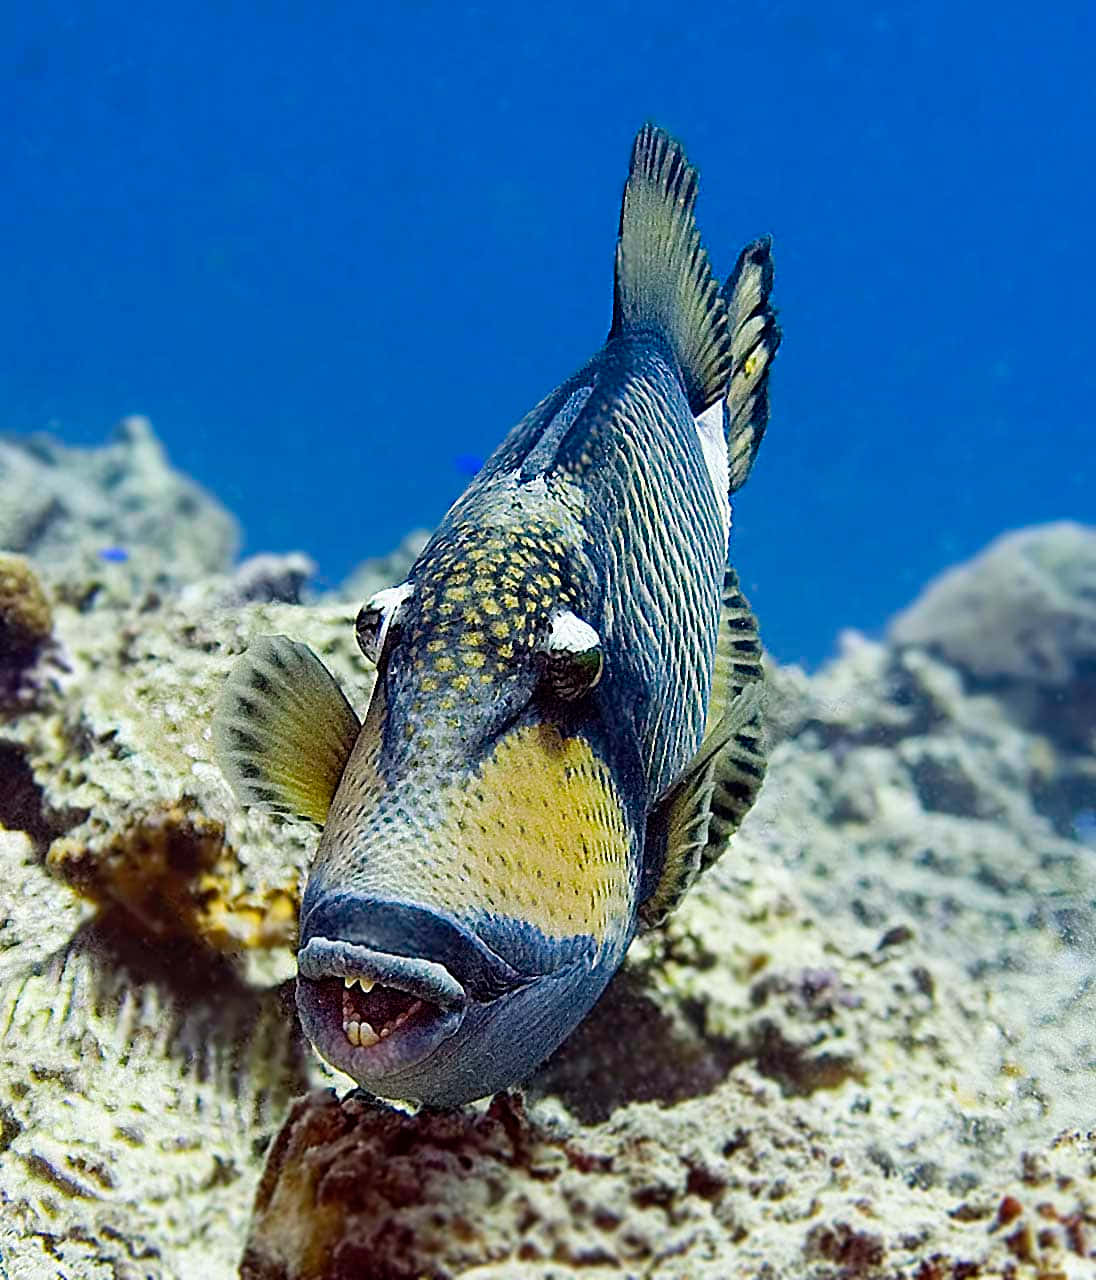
<point x="566" y="724"/>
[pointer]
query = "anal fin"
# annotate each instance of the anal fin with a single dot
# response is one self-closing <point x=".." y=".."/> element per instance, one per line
<point x="283" y="730"/>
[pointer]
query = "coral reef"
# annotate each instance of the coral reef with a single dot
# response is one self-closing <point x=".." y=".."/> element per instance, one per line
<point x="1025" y="608"/>
<point x="739" y="1184"/>
<point x="862" y="1048"/>
<point x="25" y="617"/>
<point x="110" y="520"/>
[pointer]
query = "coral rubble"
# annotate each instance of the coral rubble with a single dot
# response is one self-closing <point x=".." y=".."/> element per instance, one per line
<point x="862" y="1048"/>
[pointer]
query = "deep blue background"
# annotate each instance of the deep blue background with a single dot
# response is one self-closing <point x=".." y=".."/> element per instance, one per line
<point x="331" y="249"/>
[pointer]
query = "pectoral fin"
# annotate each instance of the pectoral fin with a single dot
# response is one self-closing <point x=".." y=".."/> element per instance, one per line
<point x="283" y="730"/>
<point x="740" y="772"/>
<point x="681" y="824"/>
<point x="678" y="830"/>
<point x="690" y="826"/>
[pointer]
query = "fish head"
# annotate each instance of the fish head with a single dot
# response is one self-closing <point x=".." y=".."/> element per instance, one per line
<point x="474" y="889"/>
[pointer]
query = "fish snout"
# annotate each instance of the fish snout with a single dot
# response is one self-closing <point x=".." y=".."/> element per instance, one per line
<point x="382" y="984"/>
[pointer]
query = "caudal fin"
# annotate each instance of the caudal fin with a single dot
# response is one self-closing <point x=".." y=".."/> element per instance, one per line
<point x="663" y="280"/>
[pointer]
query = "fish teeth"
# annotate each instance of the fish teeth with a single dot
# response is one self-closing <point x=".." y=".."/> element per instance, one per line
<point x="360" y="1034"/>
<point x="366" y="984"/>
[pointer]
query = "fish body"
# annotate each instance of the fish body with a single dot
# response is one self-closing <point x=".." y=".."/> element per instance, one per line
<point x="553" y="739"/>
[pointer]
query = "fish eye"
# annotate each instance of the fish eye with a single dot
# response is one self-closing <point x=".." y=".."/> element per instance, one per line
<point x="376" y="617"/>
<point x="574" y="659"/>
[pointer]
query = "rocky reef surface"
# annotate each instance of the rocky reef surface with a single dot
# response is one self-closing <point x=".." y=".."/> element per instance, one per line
<point x="864" y="1047"/>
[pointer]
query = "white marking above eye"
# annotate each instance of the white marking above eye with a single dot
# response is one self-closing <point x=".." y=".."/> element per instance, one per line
<point x="390" y="597"/>
<point x="569" y="634"/>
<point x="387" y="604"/>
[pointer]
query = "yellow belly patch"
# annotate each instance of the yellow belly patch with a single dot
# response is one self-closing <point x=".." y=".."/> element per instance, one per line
<point x="539" y="833"/>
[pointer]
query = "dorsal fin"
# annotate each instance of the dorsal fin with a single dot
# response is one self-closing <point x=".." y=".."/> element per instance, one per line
<point x="755" y="337"/>
<point x="663" y="280"/>
<point x="283" y="730"/>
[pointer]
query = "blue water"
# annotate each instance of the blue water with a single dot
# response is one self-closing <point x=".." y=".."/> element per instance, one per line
<point x="334" y="251"/>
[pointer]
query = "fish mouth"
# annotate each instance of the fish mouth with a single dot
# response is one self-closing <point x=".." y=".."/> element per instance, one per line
<point x="373" y="1014"/>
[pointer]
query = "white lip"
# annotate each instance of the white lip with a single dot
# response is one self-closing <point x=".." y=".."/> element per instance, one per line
<point x="322" y="958"/>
